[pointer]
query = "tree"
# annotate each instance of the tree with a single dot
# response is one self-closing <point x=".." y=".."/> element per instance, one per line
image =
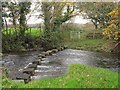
<point x="55" y="14"/>
<point x="16" y="11"/>
<point x="24" y="9"/>
<point x="112" y="31"/>
<point x="97" y="12"/>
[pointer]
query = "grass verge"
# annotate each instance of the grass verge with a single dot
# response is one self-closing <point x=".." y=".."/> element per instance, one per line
<point x="79" y="76"/>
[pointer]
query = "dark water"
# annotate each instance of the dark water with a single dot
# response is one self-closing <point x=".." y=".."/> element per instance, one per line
<point x="56" y="65"/>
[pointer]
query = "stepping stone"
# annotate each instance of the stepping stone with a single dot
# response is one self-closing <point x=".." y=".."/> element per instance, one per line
<point x="49" y="52"/>
<point x="54" y="50"/>
<point x="38" y="62"/>
<point x="42" y="55"/>
<point x="65" y="47"/>
<point x="62" y="48"/>
<point x="59" y="49"/>
<point x="45" y="53"/>
<point x="40" y="58"/>
<point x="32" y="66"/>
<point x="43" y="59"/>
<point x="30" y="71"/>
<point x="23" y="76"/>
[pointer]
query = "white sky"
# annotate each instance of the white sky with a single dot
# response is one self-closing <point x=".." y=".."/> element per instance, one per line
<point x="77" y="19"/>
<point x="35" y="20"/>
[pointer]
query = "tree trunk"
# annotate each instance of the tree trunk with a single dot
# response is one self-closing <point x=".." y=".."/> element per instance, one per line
<point x="22" y="24"/>
<point x="95" y="24"/>
<point x="6" y="26"/>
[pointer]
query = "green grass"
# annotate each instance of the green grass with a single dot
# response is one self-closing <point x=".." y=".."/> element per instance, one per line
<point x="34" y="31"/>
<point x="83" y="43"/>
<point x="79" y="76"/>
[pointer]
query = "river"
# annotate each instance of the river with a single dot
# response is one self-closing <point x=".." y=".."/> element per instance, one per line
<point x="56" y="65"/>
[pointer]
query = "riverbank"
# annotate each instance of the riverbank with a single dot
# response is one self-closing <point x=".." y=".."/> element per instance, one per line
<point x="82" y="42"/>
<point x="79" y="76"/>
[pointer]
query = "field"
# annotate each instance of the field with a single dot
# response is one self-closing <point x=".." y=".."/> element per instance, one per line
<point x="33" y="31"/>
<point x="83" y="42"/>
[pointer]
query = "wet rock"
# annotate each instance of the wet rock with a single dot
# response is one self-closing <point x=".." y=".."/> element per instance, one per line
<point x="65" y="47"/>
<point x="43" y="59"/>
<point x="54" y="50"/>
<point x="42" y="55"/>
<point x="32" y="66"/>
<point x="40" y="58"/>
<point x="30" y="71"/>
<point x="49" y="52"/>
<point x="20" y="76"/>
<point x="38" y="62"/>
<point x="23" y="76"/>
<point x="60" y="49"/>
<point x="104" y="61"/>
<point x="45" y="53"/>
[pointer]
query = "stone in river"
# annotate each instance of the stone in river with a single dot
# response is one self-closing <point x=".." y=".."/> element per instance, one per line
<point x="49" y="52"/>
<point x="42" y="55"/>
<point x="65" y="47"/>
<point x="32" y="66"/>
<point x="54" y="50"/>
<point x="62" y="48"/>
<point x="23" y="76"/>
<point x="45" y="53"/>
<point x="38" y="62"/>
<point x="20" y="76"/>
<point x="59" y="49"/>
<point x="30" y="71"/>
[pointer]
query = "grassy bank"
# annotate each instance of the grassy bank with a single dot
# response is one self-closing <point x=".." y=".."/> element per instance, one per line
<point x="81" y="43"/>
<point x="12" y="42"/>
<point x="84" y="43"/>
<point x="79" y="76"/>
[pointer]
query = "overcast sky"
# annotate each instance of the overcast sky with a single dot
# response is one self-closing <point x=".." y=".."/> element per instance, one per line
<point x="33" y="19"/>
<point x="77" y="19"/>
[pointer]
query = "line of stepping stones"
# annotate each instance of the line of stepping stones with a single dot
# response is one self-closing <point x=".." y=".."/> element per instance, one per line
<point x="29" y="71"/>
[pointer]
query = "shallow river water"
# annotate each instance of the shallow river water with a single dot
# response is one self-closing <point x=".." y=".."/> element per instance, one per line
<point x="56" y="65"/>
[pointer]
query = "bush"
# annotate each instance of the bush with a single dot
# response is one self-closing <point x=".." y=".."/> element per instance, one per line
<point x="51" y="40"/>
